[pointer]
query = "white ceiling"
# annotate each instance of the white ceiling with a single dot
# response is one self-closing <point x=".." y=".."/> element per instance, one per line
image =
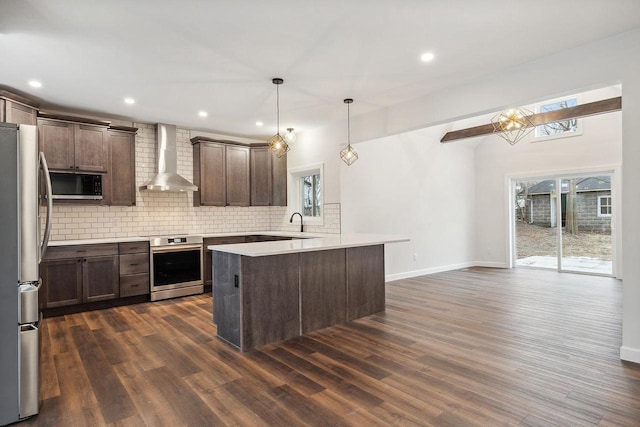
<point x="178" y="57"/>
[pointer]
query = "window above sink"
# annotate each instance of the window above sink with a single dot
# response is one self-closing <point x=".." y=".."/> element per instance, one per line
<point x="306" y="191"/>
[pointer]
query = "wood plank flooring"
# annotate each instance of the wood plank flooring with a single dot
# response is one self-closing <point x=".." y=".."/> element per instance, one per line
<point x="471" y="347"/>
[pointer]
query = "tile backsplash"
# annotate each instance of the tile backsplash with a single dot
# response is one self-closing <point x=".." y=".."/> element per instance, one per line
<point x="162" y="213"/>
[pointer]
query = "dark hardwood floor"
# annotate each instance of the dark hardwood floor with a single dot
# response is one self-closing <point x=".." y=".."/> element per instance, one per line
<point x="471" y="347"/>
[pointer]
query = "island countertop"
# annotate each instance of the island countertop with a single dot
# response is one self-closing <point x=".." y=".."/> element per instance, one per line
<point x="326" y="242"/>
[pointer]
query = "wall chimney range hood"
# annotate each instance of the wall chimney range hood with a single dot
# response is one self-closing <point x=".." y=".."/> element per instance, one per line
<point x="167" y="178"/>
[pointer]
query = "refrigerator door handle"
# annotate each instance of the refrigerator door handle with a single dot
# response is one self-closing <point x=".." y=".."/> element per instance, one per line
<point x="47" y="229"/>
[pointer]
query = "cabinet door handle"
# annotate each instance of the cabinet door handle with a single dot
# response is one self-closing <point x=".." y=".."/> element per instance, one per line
<point x="132" y="265"/>
<point x="79" y="260"/>
<point x="85" y="260"/>
<point x="136" y="285"/>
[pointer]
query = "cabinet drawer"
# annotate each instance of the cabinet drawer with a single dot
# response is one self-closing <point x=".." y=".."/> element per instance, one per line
<point x="76" y="251"/>
<point x="136" y="284"/>
<point x="133" y="247"/>
<point x="134" y="264"/>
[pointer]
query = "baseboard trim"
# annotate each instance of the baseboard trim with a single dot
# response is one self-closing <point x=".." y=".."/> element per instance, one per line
<point x="424" y="272"/>
<point x="490" y="264"/>
<point x="630" y="354"/>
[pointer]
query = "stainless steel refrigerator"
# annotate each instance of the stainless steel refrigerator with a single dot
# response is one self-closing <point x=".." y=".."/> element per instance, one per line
<point x="21" y="250"/>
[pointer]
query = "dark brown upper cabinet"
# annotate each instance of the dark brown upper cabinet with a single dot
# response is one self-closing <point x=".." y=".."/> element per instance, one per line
<point x="119" y="184"/>
<point x="73" y="147"/>
<point x="209" y="174"/>
<point x="17" y="109"/>
<point x="221" y="172"/>
<point x="229" y="173"/>
<point x="238" y="176"/>
<point x="268" y="178"/>
<point x="261" y="178"/>
<point x="279" y="181"/>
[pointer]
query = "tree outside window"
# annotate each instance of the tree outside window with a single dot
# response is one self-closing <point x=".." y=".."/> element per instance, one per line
<point x="311" y="195"/>
<point x="557" y="128"/>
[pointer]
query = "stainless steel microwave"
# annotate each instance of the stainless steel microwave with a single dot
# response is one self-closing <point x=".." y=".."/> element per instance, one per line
<point x="70" y="186"/>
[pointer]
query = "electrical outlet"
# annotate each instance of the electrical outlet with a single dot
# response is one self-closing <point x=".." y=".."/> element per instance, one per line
<point x="488" y="251"/>
<point x="415" y="257"/>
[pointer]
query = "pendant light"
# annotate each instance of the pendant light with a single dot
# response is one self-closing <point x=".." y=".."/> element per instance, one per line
<point x="348" y="155"/>
<point x="277" y="145"/>
<point x="290" y="137"/>
<point x="513" y="124"/>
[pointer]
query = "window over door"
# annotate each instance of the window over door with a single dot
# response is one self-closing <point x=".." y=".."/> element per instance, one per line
<point x="557" y="129"/>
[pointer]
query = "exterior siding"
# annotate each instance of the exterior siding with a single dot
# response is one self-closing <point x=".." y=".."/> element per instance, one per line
<point x="587" y="207"/>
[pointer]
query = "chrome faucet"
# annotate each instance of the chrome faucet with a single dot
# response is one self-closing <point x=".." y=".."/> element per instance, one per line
<point x="291" y="220"/>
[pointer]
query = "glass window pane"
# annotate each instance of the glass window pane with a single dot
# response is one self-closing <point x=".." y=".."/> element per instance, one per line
<point x="311" y="195"/>
<point x="586" y="227"/>
<point x="557" y="127"/>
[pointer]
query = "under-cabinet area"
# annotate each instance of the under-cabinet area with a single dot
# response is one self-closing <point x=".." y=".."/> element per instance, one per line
<point x="262" y="299"/>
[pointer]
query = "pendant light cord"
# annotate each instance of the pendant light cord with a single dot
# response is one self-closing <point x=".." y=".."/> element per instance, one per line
<point x="349" y="124"/>
<point x="278" y="108"/>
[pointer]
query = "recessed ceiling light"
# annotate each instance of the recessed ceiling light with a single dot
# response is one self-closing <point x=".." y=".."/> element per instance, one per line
<point x="203" y="113"/>
<point x="259" y="124"/>
<point x="129" y="101"/>
<point x="35" y="83"/>
<point x="427" y="57"/>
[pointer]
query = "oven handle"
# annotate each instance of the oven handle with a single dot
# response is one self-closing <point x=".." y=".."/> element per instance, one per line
<point x="177" y="248"/>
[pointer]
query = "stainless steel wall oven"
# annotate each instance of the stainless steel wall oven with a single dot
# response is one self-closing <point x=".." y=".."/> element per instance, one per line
<point x="176" y="266"/>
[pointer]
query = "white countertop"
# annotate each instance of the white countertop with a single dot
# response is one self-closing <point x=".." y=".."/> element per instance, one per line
<point x="97" y="241"/>
<point x="295" y="234"/>
<point x="326" y="242"/>
<point x="206" y="235"/>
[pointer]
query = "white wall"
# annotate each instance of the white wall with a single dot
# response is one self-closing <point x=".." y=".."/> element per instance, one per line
<point x="599" y="146"/>
<point x="599" y="64"/>
<point x="321" y="145"/>
<point x="412" y="185"/>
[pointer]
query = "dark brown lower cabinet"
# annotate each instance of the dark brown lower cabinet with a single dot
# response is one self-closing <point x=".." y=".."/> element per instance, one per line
<point x="270" y="302"/>
<point x="323" y="289"/>
<point x="256" y="299"/>
<point x="134" y="268"/>
<point x="260" y="300"/>
<point x="100" y="278"/>
<point x="78" y="274"/>
<point x="209" y="241"/>
<point x="62" y="282"/>
<point x="365" y="278"/>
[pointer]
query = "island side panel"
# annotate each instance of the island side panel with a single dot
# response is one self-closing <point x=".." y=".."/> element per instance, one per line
<point x="270" y="299"/>
<point x="323" y="289"/>
<point x="226" y="296"/>
<point x="365" y="281"/>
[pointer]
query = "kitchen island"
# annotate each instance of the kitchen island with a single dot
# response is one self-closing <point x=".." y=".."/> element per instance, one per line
<point x="270" y="291"/>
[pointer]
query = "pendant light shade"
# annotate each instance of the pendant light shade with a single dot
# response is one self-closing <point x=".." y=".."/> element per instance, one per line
<point x="290" y="137"/>
<point x="277" y="145"/>
<point x="513" y="125"/>
<point x="349" y="155"/>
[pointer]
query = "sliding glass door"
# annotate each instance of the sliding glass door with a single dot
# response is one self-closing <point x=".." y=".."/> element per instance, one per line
<point x="564" y="223"/>
<point x="535" y="222"/>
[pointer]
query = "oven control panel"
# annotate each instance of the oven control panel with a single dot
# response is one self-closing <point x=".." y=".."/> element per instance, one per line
<point x="176" y="240"/>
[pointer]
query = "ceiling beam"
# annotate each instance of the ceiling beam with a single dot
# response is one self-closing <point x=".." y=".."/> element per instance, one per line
<point x="583" y="110"/>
